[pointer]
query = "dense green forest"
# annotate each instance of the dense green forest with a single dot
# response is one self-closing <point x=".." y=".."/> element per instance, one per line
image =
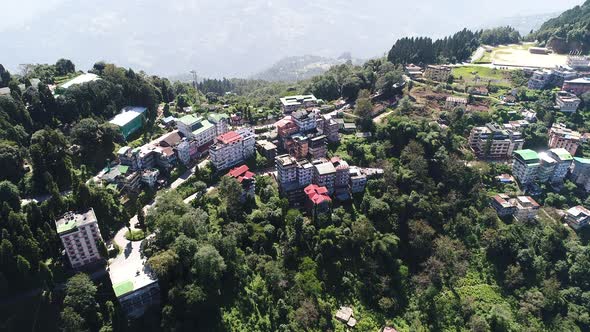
<point x="568" y="32"/>
<point x="421" y="249"/>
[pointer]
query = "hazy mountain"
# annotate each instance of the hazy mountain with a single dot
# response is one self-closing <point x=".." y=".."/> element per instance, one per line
<point x="230" y="37"/>
<point x="296" y="68"/>
<point x="524" y="24"/>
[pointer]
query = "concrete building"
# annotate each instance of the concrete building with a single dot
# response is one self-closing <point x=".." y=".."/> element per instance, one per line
<point x="437" y="73"/>
<point x="220" y="121"/>
<point x="80" y="236"/>
<point x="183" y="150"/>
<point x="318" y="147"/>
<point x="540" y="79"/>
<point x="305" y="119"/>
<point x="493" y="142"/>
<point x="130" y="120"/>
<point x="577" y="217"/>
<point x="523" y="208"/>
<point x="567" y="102"/>
<point x="453" y="102"/>
<point x="293" y="103"/>
<point x="305" y="172"/>
<point x="550" y="78"/>
<point x="580" y="172"/>
<point x="577" y="86"/>
<point x="563" y="163"/>
<point x="267" y="149"/>
<point x="525" y="166"/>
<point x="150" y="177"/>
<point x="529" y="115"/>
<point x="358" y="180"/>
<point x="196" y="128"/>
<point x="325" y="175"/>
<point x="546" y="167"/>
<point x="232" y="148"/>
<point x="286" y="127"/>
<point x="331" y="127"/>
<point x="122" y="176"/>
<point x="561" y="137"/>
<point x="578" y="62"/>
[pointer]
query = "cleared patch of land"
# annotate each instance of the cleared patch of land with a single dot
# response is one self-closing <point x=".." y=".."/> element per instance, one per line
<point x="478" y="75"/>
<point x="519" y="56"/>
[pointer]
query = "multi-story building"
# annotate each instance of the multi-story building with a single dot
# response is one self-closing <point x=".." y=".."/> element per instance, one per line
<point x="286" y="127"/>
<point x="331" y="129"/>
<point x="581" y="172"/>
<point x="563" y="161"/>
<point x="298" y="146"/>
<point x="305" y="119"/>
<point x="523" y="208"/>
<point x="578" y="62"/>
<point x="122" y="176"/>
<point x="325" y="174"/>
<point x="494" y="142"/>
<point x="540" y="79"/>
<point x="567" y="102"/>
<point x="293" y="103"/>
<point x="516" y="125"/>
<point x="358" y="180"/>
<point x="548" y="166"/>
<point x="305" y="172"/>
<point x="525" y="166"/>
<point x="183" y="149"/>
<point x="220" y="121"/>
<point x="246" y="178"/>
<point x="150" y="176"/>
<point x="196" y="128"/>
<point x="80" y="236"/>
<point x="187" y="124"/>
<point x="267" y="149"/>
<point x="437" y="73"/>
<point x="286" y="170"/>
<point x="130" y="120"/>
<point x="577" y="217"/>
<point x="578" y="86"/>
<point x="549" y="78"/>
<point x="318" y="147"/>
<point x="561" y="137"/>
<point x="453" y="102"/>
<point x="232" y="148"/>
<point x="529" y="115"/>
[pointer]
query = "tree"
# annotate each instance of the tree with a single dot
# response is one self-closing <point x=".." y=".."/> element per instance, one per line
<point x="49" y="155"/>
<point x="64" y="67"/>
<point x="230" y="193"/>
<point x="209" y="265"/>
<point x="81" y="299"/>
<point x="448" y="261"/>
<point x="9" y="193"/>
<point x="71" y="321"/>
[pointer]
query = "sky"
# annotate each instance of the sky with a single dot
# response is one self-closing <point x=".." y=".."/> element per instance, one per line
<point x="232" y="37"/>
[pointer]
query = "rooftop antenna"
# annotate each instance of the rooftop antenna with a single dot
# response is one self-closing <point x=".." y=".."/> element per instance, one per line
<point x="196" y="86"/>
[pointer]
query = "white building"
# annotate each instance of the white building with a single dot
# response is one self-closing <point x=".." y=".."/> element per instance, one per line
<point x="183" y="149"/>
<point x="305" y="119"/>
<point x="150" y="176"/>
<point x="220" y="121"/>
<point x="293" y="103"/>
<point x="232" y="148"/>
<point x="80" y="236"/>
<point x="567" y="102"/>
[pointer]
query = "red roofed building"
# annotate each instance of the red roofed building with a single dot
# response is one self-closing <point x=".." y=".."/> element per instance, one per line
<point x="286" y="127"/>
<point x="232" y="148"/>
<point x="318" y="201"/>
<point x="246" y="179"/>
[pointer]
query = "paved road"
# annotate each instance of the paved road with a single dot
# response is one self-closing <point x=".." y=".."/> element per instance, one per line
<point x="41" y="198"/>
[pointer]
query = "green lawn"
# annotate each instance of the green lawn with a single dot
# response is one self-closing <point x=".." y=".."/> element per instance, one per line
<point x="470" y="75"/>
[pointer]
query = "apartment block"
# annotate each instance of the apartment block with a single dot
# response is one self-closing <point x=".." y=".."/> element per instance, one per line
<point x="318" y="200"/>
<point x="331" y="127"/>
<point x="437" y="73"/>
<point x="246" y="178"/>
<point x="562" y="137"/>
<point x="80" y="235"/>
<point x="578" y="86"/>
<point x="325" y="175"/>
<point x="525" y="166"/>
<point x="220" y="121"/>
<point x="232" y="148"/>
<point x="305" y="119"/>
<point x="580" y="172"/>
<point x="358" y="180"/>
<point x="578" y="62"/>
<point x="492" y="141"/>
<point x="548" y="166"/>
<point x="318" y="147"/>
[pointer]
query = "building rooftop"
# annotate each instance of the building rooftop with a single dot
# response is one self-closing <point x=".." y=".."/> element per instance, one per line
<point x="325" y="168"/>
<point x="454" y="99"/>
<point x="229" y="137"/>
<point x="241" y="173"/>
<point x="203" y="125"/>
<point x="527" y="155"/>
<point x="170" y="139"/>
<point x="286" y="160"/>
<point x="84" y="78"/>
<point x="317" y="194"/>
<point x="297" y="100"/>
<point x="562" y="154"/>
<point x="216" y="117"/>
<point x="581" y="80"/>
<point x="190" y="119"/>
<point x="127" y="115"/>
<point x="72" y="220"/>
<point x="582" y="160"/>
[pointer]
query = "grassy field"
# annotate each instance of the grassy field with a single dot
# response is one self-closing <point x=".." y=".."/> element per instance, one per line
<point x="135" y="235"/>
<point x="476" y="75"/>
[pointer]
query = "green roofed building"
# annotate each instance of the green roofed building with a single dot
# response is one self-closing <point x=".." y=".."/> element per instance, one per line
<point x="80" y="236"/>
<point x="581" y="172"/>
<point x="525" y="165"/>
<point x="130" y="120"/>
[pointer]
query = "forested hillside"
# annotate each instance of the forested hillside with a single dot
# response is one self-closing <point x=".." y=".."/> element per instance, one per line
<point x="568" y="32"/>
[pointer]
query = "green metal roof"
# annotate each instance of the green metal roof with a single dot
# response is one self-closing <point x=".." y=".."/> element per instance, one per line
<point x="123" y="288"/>
<point x="562" y="154"/>
<point x="205" y="124"/>
<point x="527" y="155"/>
<point x="123" y="169"/>
<point x="218" y="116"/>
<point x="189" y="119"/>
<point x="112" y="186"/>
<point x="582" y="160"/>
<point x="66" y="226"/>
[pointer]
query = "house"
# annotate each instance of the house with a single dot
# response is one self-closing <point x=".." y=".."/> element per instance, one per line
<point x="577" y="217"/>
<point x="523" y="208"/>
<point x="502" y="205"/>
<point x="505" y="178"/>
<point x="130" y="120"/>
<point x="478" y="90"/>
<point x="580" y="172"/>
<point x="246" y="178"/>
<point x="529" y="115"/>
<point x="318" y="201"/>
<point x="453" y="102"/>
<point x="349" y="127"/>
<point x="491" y="141"/>
<point x="293" y="103"/>
<point x="561" y="137"/>
<point x="437" y="73"/>
<point x="286" y="127"/>
<point x="577" y="86"/>
<point x="567" y="102"/>
<point x="124" y="177"/>
<point x="169" y="121"/>
<point x="346" y="316"/>
<point x="80" y="236"/>
<point x="80" y="79"/>
<point x="413" y="71"/>
<point x="330" y="128"/>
